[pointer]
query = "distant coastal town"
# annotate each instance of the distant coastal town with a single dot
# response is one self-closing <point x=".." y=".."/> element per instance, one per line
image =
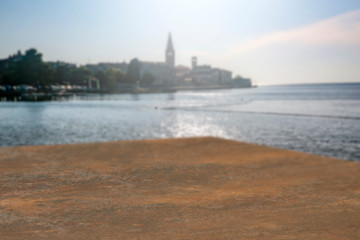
<point x="26" y="77"/>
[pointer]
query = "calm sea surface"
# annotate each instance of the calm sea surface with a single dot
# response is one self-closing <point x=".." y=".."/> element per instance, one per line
<point x="323" y="119"/>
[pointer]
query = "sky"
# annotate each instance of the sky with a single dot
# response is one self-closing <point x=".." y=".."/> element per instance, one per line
<point x="269" y="41"/>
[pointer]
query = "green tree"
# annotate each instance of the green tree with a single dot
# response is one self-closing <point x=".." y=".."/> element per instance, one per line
<point x="147" y="79"/>
<point x="46" y="75"/>
<point x="133" y="73"/>
<point x="80" y="76"/>
<point x="110" y="78"/>
<point x="63" y="74"/>
<point x="28" y="69"/>
<point x="120" y="76"/>
<point x="103" y="78"/>
<point x="9" y="76"/>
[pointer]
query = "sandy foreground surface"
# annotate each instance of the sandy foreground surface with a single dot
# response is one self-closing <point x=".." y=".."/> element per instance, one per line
<point x="195" y="188"/>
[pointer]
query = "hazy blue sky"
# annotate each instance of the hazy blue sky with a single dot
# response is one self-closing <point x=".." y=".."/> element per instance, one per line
<point x="271" y="41"/>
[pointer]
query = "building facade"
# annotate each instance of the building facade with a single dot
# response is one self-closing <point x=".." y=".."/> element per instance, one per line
<point x="103" y="66"/>
<point x="163" y="73"/>
<point x="206" y="75"/>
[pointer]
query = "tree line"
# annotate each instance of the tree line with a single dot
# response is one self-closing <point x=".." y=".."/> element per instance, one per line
<point x="30" y="69"/>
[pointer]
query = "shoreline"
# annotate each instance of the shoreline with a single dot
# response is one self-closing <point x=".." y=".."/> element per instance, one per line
<point x="187" y="188"/>
<point x="33" y="96"/>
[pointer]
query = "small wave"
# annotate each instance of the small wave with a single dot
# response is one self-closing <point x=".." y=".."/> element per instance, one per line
<point x="263" y="113"/>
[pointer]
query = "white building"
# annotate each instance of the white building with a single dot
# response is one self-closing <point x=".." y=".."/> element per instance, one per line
<point x="203" y="75"/>
<point x="183" y="74"/>
<point x="223" y="76"/>
<point x="206" y="75"/>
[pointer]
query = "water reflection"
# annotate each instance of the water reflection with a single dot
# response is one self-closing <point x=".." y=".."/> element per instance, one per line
<point x="185" y="124"/>
<point x="135" y="97"/>
<point x="205" y="113"/>
<point x="171" y="97"/>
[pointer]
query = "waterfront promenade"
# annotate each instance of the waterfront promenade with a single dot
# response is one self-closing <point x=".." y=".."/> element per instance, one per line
<point x="195" y="188"/>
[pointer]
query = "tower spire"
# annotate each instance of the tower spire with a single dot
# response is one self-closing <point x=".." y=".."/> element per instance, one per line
<point x="170" y="52"/>
<point x="170" y="46"/>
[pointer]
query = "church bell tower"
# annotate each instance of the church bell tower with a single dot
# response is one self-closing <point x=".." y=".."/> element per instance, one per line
<point x="170" y="52"/>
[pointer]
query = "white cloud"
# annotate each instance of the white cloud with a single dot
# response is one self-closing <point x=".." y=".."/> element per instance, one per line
<point x="338" y="31"/>
<point x="326" y="51"/>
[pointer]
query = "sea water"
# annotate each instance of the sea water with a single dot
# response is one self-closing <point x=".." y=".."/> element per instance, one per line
<point x="322" y="119"/>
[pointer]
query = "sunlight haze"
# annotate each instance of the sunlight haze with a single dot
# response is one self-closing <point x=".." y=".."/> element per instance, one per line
<point x="272" y="42"/>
